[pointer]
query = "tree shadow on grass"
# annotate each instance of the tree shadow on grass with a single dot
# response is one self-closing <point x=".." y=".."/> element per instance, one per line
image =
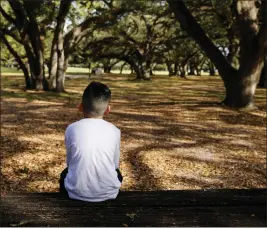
<point x="244" y="119"/>
<point x="158" y="118"/>
<point x="7" y="143"/>
<point x="42" y="96"/>
<point x="228" y="137"/>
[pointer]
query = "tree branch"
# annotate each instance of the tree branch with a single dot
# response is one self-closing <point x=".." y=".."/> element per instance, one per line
<point x="109" y="4"/>
<point x="74" y="36"/>
<point x="9" y="33"/>
<point x="191" y="26"/>
<point x="128" y="37"/>
<point x="7" y="16"/>
<point x="16" y="56"/>
<point x="21" y="18"/>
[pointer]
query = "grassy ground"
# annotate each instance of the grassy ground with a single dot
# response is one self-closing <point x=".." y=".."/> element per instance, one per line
<point x="70" y="70"/>
<point x="76" y="71"/>
<point x="174" y="135"/>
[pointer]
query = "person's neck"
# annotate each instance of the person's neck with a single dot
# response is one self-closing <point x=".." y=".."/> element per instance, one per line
<point x="92" y="117"/>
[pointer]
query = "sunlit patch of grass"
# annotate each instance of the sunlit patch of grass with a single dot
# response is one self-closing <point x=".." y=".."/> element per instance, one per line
<point x="9" y="70"/>
<point x="77" y="70"/>
<point x="69" y="70"/>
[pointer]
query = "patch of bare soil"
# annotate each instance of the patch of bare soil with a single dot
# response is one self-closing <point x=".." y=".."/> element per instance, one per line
<point x="174" y="134"/>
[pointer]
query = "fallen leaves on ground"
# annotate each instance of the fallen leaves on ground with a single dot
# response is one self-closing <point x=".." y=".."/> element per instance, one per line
<point x="174" y="134"/>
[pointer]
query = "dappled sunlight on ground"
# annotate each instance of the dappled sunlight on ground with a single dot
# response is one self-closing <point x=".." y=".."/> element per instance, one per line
<point x="175" y="135"/>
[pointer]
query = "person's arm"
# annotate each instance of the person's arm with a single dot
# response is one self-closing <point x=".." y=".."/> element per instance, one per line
<point x="67" y="149"/>
<point x="117" y="152"/>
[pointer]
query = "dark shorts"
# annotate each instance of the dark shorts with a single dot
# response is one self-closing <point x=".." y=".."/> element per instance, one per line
<point x="63" y="175"/>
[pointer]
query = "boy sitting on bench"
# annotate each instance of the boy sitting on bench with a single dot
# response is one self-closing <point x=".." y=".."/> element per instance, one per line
<point x="93" y="150"/>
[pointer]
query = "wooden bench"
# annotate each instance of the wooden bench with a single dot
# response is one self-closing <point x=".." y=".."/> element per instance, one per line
<point x="162" y="208"/>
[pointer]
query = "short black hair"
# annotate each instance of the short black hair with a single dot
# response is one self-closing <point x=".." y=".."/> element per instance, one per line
<point x="95" y="99"/>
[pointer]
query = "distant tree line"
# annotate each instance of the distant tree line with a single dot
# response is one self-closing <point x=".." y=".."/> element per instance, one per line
<point x="184" y="37"/>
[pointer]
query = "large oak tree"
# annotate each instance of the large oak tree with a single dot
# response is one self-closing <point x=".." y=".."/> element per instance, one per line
<point x="28" y="22"/>
<point x="251" y="19"/>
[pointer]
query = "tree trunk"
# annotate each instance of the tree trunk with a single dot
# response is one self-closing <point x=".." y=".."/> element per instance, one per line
<point x="57" y="64"/>
<point x="198" y="69"/>
<point x="183" y="70"/>
<point x="263" y="77"/>
<point x="146" y="73"/>
<point x="240" y="90"/>
<point x="27" y="26"/>
<point x="32" y="29"/>
<point x="146" y="69"/>
<point x="151" y="71"/>
<point x="52" y="83"/>
<point x="135" y="67"/>
<point x="106" y="65"/>
<point x="39" y="74"/>
<point x="170" y="70"/>
<point x="240" y="84"/>
<point x="122" y="67"/>
<point x="141" y="68"/>
<point x="145" y="65"/>
<point x="60" y="65"/>
<point x="89" y="69"/>
<point x="176" y="69"/>
<point x="232" y="48"/>
<point x="211" y="69"/>
<point x="191" y="70"/>
<point x="28" y="84"/>
<point x="107" y="69"/>
<point x="138" y="71"/>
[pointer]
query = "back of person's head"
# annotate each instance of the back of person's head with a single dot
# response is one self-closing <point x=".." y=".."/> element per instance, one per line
<point x="95" y="100"/>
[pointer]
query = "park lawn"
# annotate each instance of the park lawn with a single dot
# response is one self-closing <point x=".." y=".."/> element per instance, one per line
<point x="73" y="71"/>
<point x="76" y="71"/>
<point x="12" y="71"/>
<point x="174" y="134"/>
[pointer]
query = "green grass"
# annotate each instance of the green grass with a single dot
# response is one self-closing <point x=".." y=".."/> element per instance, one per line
<point x="10" y="70"/>
<point x="69" y="70"/>
<point x="79" y="71"/>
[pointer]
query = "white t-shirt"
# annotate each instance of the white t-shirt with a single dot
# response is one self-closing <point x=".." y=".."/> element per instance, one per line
<point x="93" y="152"/>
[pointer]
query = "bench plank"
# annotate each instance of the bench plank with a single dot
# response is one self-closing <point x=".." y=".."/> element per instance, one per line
<point x="161" y="208"/>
